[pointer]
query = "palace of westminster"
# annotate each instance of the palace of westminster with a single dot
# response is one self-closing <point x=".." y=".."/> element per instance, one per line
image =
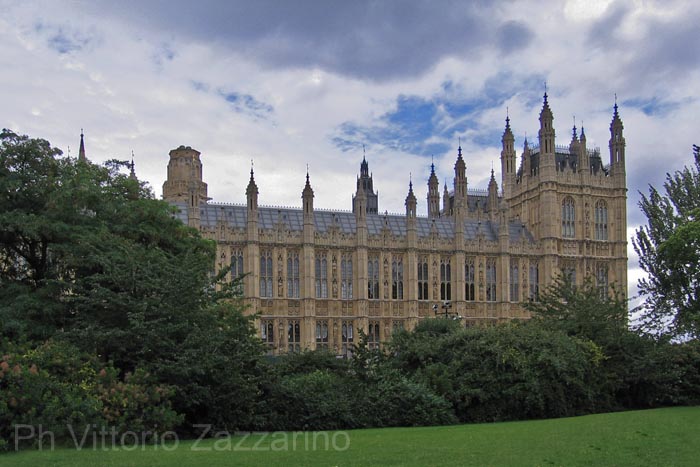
<point x="315" y="278"/>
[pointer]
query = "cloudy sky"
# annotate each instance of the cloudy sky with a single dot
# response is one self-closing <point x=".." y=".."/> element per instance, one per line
<point x="291" y="83"/>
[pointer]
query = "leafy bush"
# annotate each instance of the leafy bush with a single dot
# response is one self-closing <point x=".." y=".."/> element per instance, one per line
<point x="512" y="371"/>
<point x="61" y="389"/>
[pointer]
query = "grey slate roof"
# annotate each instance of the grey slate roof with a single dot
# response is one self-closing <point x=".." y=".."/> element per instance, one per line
<point x="235" y="216"/>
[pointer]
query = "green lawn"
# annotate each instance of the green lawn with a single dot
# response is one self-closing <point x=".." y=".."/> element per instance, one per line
<point x="663" y="437"/>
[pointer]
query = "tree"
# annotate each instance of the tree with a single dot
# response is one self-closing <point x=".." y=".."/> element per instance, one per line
<point x="581" y="311"/>
<point x="668" y="252"/>
<point x="87" y="255"/>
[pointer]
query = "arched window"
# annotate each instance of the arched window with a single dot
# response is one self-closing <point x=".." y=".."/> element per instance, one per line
<point x="445" y="279"/>
<point x="469" y="282"/>
<point x="321" y="276"/>
<point x="373" y="335"/>
<point x="397" y="279"/>
<point x="322" y="334"/>
<point x="491" y="280"/>
<point x="534" y="281"/>
<point x="293" y="275"/>
<point x="346" y="277"/>
<point x="373" y="278"/>
<point x="601" y="220"/>
<point x="514" y="281"/>
<point x="423" y="279"/>
<point x="237" y="270"/>
<point x="568" y="218"/>
<point x="266" y="274"/>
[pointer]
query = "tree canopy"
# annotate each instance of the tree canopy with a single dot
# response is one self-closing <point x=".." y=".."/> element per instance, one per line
<point x="89" y="256"/>
<point x="668" y="249"/>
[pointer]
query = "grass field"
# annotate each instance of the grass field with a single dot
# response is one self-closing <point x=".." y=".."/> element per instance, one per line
<point x="663" y="437"/>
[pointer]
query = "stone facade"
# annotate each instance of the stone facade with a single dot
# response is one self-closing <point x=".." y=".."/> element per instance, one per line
<point x="316" y="277"/>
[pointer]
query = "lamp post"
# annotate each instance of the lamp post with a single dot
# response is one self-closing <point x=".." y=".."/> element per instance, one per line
<point x="446" y="313"/>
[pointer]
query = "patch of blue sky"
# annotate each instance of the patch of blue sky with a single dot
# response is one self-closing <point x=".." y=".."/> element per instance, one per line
<point x="200" y="86"/>
<point x="652" y="107"/>
<point x="62" y="39"/>
<point x="62" y="43"/>
<point x="246" y="102"/>
<point x="417" y="124"/>
<point x="488" y="138"/>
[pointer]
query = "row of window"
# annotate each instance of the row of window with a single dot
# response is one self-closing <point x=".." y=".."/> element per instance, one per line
<point x="397" y="276"/>
<point x="568" y="219"/>
<point x="347" y="335"/>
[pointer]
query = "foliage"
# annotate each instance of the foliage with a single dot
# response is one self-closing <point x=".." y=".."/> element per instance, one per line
<point x="668" y="252"/>
<point x="636" y="371"/>
<point x="510" y="371"/>
<point x="582" y="311"/>
<point x="314" y="390"/>
<point x="88" y="256"/>
<point x="217" y="370"/>
<point x="61" y="389"/>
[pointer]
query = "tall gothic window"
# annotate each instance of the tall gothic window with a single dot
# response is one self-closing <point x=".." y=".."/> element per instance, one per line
<point x="601" y="220"/>
<point x="514" y="281"/>
<point x="397" y="279"/>
<point x="322" y="334"/>
<point x="568" y="218"/>
<point x="346" y="277"/>
<point x="491" y="280"/>
<point x="293" y="275"/>
<point x="534" y="281"/>
<point x="347" y="338"/>
<point x="373" y="278"/>
<point x="601" y="278"/>
<point x="237" y="269"/>
<point x="321" y="276"/>
<point x="423" y="279"/>
<point x="293" y="336"/>
<point x="445" y="279"/>
<point x="373" y="335"/>
<point x="469" y="280"/>
<point x="267" y="332"/>
<point x="266" y="274"/>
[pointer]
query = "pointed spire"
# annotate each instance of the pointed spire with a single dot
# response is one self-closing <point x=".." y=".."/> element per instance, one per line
<point x="132" y="175"/>
<point x="574" y="135"/>
<point x="81" y="152"/>
<point x="308" y="191"/>
<point x="507" y="119"/>
<point x="615" y="114"/>
<point x="252" y="188"/>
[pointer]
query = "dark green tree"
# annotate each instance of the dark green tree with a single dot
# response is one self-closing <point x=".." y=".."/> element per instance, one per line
<point x="668" y="252"/>
<point x="88" y="255"/>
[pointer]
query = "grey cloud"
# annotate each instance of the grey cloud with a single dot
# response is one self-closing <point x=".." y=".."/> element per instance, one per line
<point x="670" y="48"/>
<point x="603" y="33"/>
<point x="514" y="36"/>
<point x="370" y="39"/>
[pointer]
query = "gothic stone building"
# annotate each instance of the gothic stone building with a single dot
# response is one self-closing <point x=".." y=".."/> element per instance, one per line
<point x="314" y="278"/>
